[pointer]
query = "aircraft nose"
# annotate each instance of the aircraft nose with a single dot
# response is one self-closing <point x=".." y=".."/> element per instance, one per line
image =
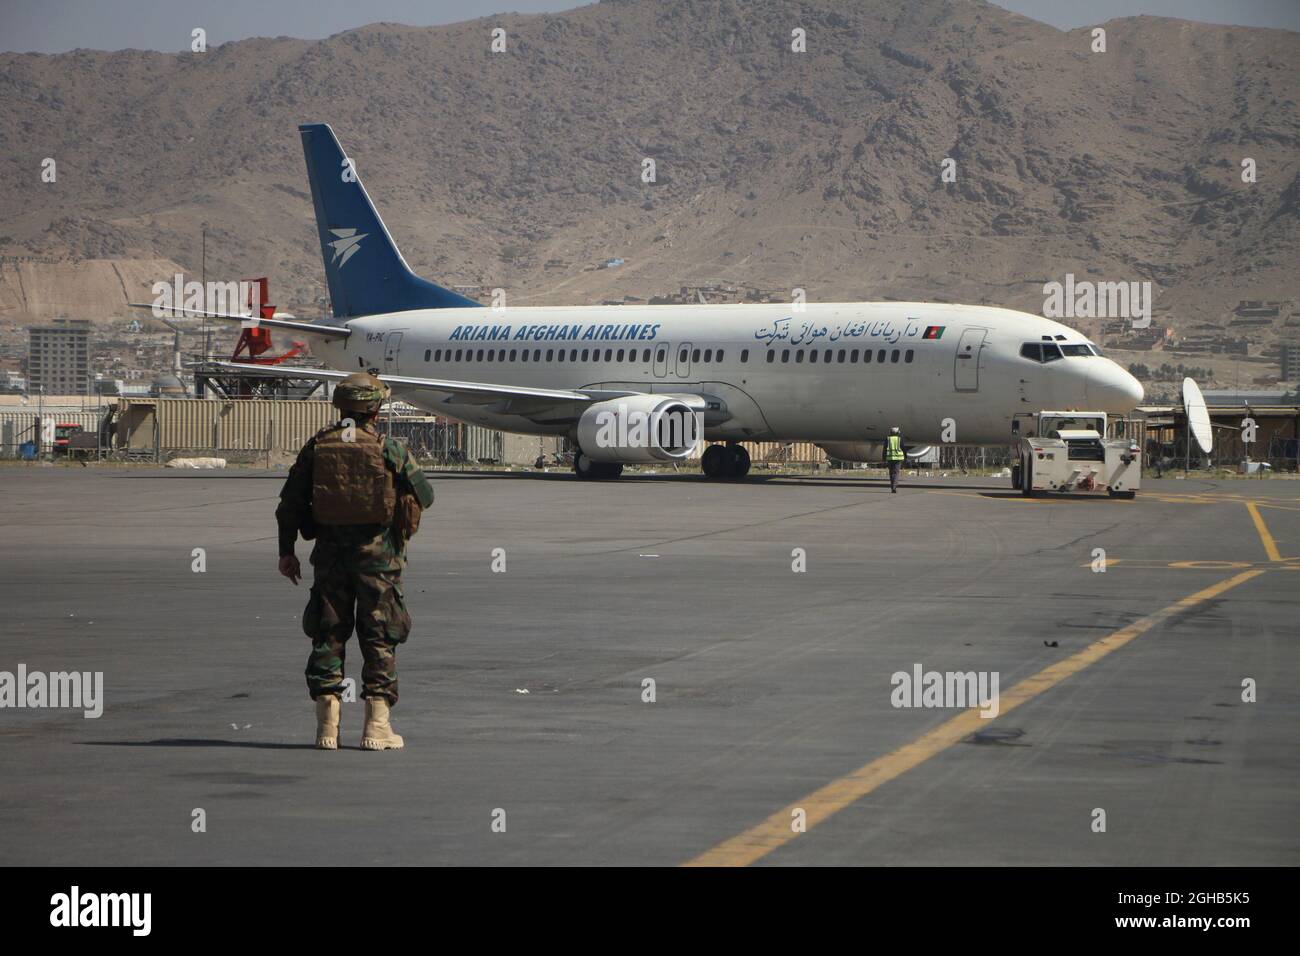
<point x="1112" y="389"/>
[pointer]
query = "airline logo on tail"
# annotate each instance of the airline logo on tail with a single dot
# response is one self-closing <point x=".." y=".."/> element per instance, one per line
<point x="346" y="242"/>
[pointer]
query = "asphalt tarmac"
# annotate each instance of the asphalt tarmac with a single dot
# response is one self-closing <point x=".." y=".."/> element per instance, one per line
<point x="1125" y="731"/>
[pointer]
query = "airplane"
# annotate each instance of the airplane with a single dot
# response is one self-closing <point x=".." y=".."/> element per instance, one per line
<point x="838" y="374"/>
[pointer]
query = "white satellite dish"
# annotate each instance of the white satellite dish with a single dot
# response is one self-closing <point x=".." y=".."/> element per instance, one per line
<point x="1198" y="416"/>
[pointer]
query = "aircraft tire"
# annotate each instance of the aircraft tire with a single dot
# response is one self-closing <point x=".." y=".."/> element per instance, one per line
<point x="714" y="461"/>
<point x="740" y="462"/>
<point x="584" y="467"/>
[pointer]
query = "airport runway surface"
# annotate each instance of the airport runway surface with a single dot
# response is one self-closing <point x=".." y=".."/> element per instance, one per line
<point x="523" y="692"/>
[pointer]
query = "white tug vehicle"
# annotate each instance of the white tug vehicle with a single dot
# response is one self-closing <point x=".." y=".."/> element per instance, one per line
<point x="1069" y="453"/>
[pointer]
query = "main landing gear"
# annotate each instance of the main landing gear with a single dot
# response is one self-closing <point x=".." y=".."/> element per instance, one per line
<point x="725" y="461"/>
<point x="590" y="470"/>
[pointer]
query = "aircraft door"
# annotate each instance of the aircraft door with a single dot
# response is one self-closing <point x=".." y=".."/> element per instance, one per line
<point x="684" y="360"/>
<point x="966" y="371"/>
<point x="392" y="346"/>
<point x="661" y="358"/>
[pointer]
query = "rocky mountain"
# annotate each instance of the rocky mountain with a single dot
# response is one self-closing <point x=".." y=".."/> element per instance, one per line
<point x="773" y="168"/>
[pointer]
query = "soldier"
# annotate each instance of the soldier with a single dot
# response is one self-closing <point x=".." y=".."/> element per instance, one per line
<point x="359" y="494"/>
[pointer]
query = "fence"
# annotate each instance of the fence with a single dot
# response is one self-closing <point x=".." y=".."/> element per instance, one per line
<point x="18" y="427"/>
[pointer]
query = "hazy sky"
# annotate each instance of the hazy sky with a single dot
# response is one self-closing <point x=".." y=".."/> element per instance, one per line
<point x="53" y="26"/>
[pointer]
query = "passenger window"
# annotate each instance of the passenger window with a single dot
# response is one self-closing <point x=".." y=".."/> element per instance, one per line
<point x="1051" y="352"/>
<point x="458" y="351"/>
<point x="608" y="354"/>
<point x="771" y="356"/>
<point x="798" y="356"/>
<point x="719" y="355"/>
<point x="880" y="356"/>
<point x="893" y="356"/>
<point x="480" y="356"/>
<point x="907" y="356"/>
<point x="619" y="356"/>
<point x="427" y="354"/>
<point x="841" y="356"/>
<point x="645" y="356"/>
<point x="695" y="355"/>
<point x="785" y="355"/>
<point x="537" y="355"/>
<point x="708" y="355"/>
<point x="524" y="355"/>
<point x="662" y="353"/>
<point x="744" y="356"/>
<point x="812" y="355"/>
<point x="853" y="356"/>
<point x="512" y="354"/>
<point x="829" y="354"/>
<point x="437" y="355"/>
<point x="550" y="355"/>
<point x="866" y="355"/>
<point x="682" y="357"/>
<point x="585" y="353"/>
<point x="491" y="354"/>
<point x="561" y="356"/>
<point x="573" y="355"/>
<point x="1031" y="350"/>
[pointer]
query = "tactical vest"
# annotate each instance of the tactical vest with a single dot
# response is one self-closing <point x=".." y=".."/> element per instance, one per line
<point x="350" y="481"/>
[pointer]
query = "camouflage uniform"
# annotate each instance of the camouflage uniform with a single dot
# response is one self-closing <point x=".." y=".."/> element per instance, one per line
<point x="358" y="577"/>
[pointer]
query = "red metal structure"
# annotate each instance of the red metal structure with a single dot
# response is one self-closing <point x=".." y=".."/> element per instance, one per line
<point x="253" y="342"/>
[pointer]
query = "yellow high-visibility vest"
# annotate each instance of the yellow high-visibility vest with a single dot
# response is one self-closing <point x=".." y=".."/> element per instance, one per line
<point x="894" y="449"/>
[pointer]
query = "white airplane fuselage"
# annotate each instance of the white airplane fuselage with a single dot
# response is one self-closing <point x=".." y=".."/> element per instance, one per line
<point x="939" y="372"/>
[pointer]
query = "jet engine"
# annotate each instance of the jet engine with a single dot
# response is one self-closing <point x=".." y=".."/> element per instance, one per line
<point x="869" y="451"/>
<point x="854" y="450"/>
<point x="639" y="429"/>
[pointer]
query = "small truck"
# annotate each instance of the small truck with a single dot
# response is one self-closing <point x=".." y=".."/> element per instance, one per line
<point x="1069" y="453"/>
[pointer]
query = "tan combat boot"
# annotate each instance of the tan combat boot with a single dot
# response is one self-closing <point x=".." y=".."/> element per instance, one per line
<point x="378" y="733"/>
<point x="327" y="722"/>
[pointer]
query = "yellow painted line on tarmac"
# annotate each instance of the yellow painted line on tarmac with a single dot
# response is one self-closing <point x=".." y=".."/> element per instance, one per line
<point x="776" y="831"/>
<point x="1270" y="546"/>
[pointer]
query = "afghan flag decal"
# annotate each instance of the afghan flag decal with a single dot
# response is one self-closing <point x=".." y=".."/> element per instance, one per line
<point x="933" y="332"/>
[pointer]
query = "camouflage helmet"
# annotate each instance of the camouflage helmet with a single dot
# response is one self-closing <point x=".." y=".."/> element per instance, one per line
<point x="360" y="392"/>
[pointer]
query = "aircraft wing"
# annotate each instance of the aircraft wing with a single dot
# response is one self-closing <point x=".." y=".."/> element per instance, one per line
<point x="304" y="328"/>
<point x="513" y="399"/>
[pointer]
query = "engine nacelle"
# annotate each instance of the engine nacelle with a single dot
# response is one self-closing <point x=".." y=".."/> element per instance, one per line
<point x="639" y="429"/>
<point x="871" y="451"/>
<point x="854" y="450"/>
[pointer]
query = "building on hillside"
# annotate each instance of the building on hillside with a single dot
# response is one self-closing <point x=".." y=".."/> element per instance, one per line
<point x="58" y="357"/>
<point x="1289" y="361"/>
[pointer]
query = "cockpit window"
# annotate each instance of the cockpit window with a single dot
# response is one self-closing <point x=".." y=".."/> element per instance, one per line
<point x="1050" y="351"/>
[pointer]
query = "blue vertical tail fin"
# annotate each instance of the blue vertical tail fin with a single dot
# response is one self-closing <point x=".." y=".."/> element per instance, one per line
<point x="365" y="270"/>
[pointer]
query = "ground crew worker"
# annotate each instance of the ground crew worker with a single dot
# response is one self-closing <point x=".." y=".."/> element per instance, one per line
<point x="359" y="494"/>
<point x="894" y="457"/>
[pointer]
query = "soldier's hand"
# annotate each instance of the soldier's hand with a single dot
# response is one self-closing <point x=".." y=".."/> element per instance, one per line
<point x="290" y="568"/>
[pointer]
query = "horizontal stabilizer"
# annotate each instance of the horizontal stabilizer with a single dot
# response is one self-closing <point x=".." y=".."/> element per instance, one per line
<point x="306" y="328"/>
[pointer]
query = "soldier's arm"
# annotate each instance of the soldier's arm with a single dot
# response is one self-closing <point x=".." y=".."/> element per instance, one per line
<point x="294" y="509"/>
<point x="411" y="477"/>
